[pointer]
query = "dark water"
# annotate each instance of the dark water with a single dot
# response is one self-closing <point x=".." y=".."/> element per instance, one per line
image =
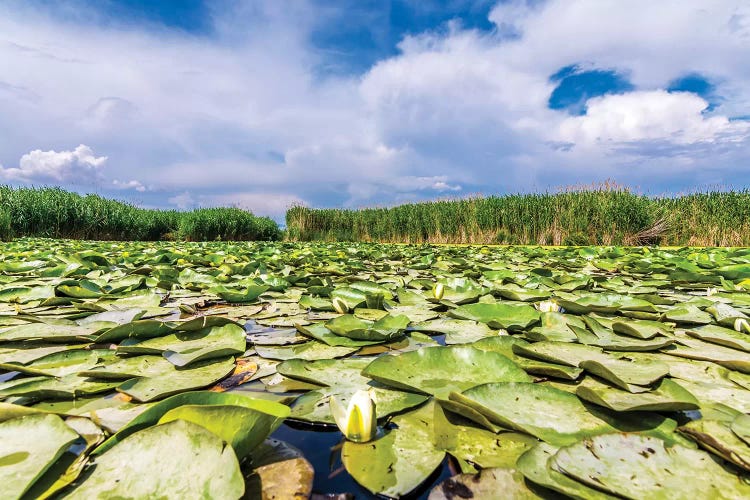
<point x="321" y="449"/>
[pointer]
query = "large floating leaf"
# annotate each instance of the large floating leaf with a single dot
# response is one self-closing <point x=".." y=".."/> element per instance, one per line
<point x="476" y="445"/>
<point x="552" y="415"/>
<point x="199" y="375"/>
<point x="174" y="460"/>
<point x="510" y="317"/>
<point x="534" y="466"/>
<point x="398" y="462"/>
<point x="635" y="466"/>
<point x="457" y="331"/>
<point x="309" y="351"/>
<point x="259" y="424"/>
<point x="186" y="347"/>
<point x="718" y="438"/>
<point x="627" y="373"/>
<point x="440" y="370"/>
<point x="666" y="396"/>
<point x="29" y="445"/>
<point x="387" y="328"/>
<point x="343" y="379"/>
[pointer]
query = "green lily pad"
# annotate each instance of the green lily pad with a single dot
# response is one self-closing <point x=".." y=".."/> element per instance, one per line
<point x="509" y="317"/>
<point x="741" y="427"/>
<point x="342" y="379"/>
<point x="398" y="462"/>
<point x="186" y="347"/>
<point x="551" y="415"/>
<point x="476" y="445"/>
<point x="124" y="368"/>
<point x="308" y="351"/>
<point x="384" y="329"/>
<point x="641" y="329"/>
<point x="197" y="465"/>
<point x="533" y="465"/>
<point x="196" y="376"/>
<point x="456" y="331"/>
<point x="244" y="296"/>
<point x="273" y="414"/>
<point x="653" y="470"/>
<point x="666" y="396"/>
<point x="564" y="353"/>
<point x="440" y="370"/>
<point x="629" y="374"/>
<point x="319" y="332"/>
<point x="706" y="351"/>
<point x="29" y="445"/>
<point x="718" y="438"/>
<point x="57" y="364"/>
<point x="722" y="336"/>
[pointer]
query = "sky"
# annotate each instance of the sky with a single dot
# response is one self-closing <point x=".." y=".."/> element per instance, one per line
<point x="265" y="104"/>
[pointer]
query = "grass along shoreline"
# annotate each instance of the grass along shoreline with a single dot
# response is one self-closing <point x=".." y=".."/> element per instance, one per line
<point x="605" y="215"/>
<point x="56" y="213"/>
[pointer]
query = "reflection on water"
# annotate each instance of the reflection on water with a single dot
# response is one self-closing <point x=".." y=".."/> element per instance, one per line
<point x="321" y="447"/>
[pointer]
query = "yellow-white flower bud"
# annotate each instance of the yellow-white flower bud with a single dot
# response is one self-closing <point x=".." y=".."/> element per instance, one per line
<point x="438" y="291"/>
<point x="340" y="306"/>
<point x="548" y="306"/>
<point x="358" y="422"/>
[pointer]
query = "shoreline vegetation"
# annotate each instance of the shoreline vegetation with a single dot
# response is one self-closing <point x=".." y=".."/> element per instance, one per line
<point x="600" y="215"/>
<point x="605" y="214"/>
<point x="56" y="213"/>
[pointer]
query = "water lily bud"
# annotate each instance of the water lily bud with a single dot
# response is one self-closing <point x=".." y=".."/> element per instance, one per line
<point x="548" y="306"/>
<point x="359" y="422"/>
<point x="710" y="292"/>
<point x="340" y="306"/>
<point x="741" y="325"/>
<point x="438" y="291"/>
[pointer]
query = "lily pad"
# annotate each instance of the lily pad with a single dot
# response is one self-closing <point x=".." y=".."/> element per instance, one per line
<point x="401" y="460"/>
<point x="197" y="465"/>
<point x="533" y="465"/>
<point x="440" y="370"/>
<point x="196" y="376"/>
<point x="29" y="445"/>
<point x="384" y="329"/>
<point x="509" y="317"/>
<point x="666" y="396"/>
<point x="551" y="415"/>
<point x="653" y="470"/>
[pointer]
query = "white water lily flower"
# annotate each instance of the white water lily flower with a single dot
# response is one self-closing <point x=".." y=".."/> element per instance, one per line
<point x="438" y="291"/>
<point x="741" y="325"/>
<point x="359" y="422"/>
<point x="710" y="292"/>
<point x="548" y="306"/>
<point x="340" y="306"/>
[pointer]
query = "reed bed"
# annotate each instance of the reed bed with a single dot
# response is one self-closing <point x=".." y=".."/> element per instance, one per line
<point x="56" y="213"/>
<point x="599" y="215"/>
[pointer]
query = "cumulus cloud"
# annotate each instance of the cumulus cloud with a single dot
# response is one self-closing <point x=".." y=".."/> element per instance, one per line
<point x="131" y="184"/>
<point x="79" y="166"/>
<point x="649" y="116"/>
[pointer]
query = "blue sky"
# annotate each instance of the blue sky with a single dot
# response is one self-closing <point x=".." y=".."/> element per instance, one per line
<point x="263" y="104"/>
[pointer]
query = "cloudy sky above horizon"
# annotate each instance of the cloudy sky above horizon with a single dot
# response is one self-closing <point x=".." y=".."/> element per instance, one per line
<point x="265" y="103"/>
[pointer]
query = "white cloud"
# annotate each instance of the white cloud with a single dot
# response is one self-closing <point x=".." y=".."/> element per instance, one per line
<point x="79" y="166"/>
<point x="131" y="184"/>
<point x="649" y="116"/>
